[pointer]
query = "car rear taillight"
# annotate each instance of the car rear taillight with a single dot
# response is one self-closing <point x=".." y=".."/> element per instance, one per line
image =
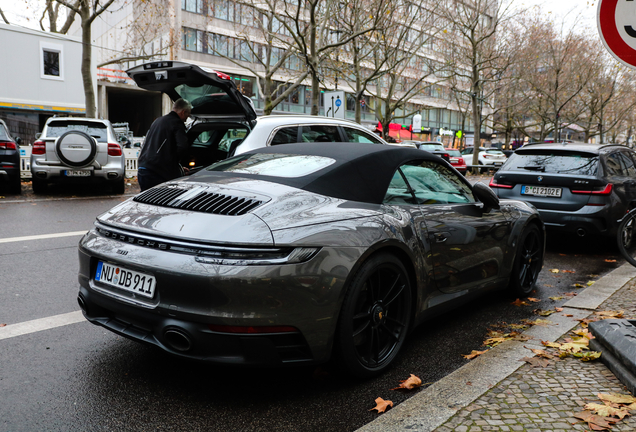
<point x="222" y="75"/>
<point x="8" y="145"/>
<point x="446" y="156"/>
<point x="39" y="148"/>
<point x="114" y="149"/>
<point x="493" y="184"/>
<point x="252" y="330"/>
<point x="605" y="191"/>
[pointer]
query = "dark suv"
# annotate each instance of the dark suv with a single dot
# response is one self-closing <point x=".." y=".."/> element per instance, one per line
<point x="9" y="160"/>
<point x="577" y="187"/>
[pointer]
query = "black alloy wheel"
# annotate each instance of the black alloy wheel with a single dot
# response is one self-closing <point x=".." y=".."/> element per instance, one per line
<point x="375" y="316"/>
<point x="528" y="261"/>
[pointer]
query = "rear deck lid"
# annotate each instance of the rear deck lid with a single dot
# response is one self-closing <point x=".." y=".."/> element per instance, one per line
<point x="211" y="93"/>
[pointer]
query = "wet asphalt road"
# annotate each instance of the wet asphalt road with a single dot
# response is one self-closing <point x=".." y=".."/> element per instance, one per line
<point x="80" y="377"/>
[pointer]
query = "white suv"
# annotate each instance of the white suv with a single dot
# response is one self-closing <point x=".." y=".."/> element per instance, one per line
<point x="77" y="150"/>
<point x="491" y="157"/>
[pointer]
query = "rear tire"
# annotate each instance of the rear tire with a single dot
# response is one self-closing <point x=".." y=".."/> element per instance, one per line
<point x="375" y="316"/>
<point x="39" y="186"/>
<point x="528" y="262"/>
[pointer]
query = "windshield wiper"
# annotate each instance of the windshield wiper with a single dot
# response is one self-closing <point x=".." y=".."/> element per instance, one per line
<point x="534" y="168"/>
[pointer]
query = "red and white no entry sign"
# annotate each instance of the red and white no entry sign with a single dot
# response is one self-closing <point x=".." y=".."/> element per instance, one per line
<point x="617" y="27"/>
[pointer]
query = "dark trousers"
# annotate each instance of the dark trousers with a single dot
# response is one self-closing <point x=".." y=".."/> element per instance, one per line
<point x="148" y="179"/>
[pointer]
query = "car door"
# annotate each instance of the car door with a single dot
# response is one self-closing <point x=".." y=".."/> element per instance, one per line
<point x="468" y="241"/>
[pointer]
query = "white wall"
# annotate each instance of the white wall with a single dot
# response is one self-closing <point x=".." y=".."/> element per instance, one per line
<point x="21" y="79"/>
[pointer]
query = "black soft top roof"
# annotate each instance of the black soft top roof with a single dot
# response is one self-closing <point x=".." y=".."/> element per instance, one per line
<point x="362" y="172"/>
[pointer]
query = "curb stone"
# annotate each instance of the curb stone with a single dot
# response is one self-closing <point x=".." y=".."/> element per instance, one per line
<point x="435" y="405"/>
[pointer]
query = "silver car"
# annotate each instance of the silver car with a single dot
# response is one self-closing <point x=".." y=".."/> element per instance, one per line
<point x="77" y="150"/>
<point x="224" y="122"/>
<point x="291" y="254"/>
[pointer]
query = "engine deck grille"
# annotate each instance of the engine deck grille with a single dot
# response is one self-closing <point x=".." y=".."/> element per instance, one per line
<point x="199" y="200"/>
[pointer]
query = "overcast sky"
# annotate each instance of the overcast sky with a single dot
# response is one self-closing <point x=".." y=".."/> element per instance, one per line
<point x="17" y="11"/>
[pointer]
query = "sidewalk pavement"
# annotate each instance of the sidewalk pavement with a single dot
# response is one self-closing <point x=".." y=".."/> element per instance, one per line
<point x="498" y="392"/>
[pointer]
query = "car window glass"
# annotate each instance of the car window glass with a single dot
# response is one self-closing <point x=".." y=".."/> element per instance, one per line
<point x="231" y="136"/>
<point x="556" y="162"/>
<point x="398" y="191"/>
<point x="286" y="135"/>
<point x="433" y="183"/>
<point x="467" y="151"/>
<point x="4" y="135"/>
<point x="613" y="165"/>
<point x="276" y="165"/>
<point x="99" y="131"/>
<point x="453" y="152"/>
<point x="320" y="133"/>
<point x="355" y="135"/>
<point x="431" y="147"/>
<point x="629" y="164"/>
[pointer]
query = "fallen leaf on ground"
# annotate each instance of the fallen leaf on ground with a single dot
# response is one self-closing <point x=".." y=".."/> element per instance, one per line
<point x="568" y="271"/>
<point x="549" y="286"/>
<point x="532" y="299"/>
<point x="539" y="322"/>
<point x="2" y="325"/>
<point x="590" y="283"/>
<point x="610" y="314"/>
<point x="519" y="302"/>
<point x="474" y="354"/>
<point x="568" y="315"/>
<point x="607" y="411"/>
<point x="610" y="260"/>
<point x="536" y="361"/>
<point x="558" y="309"/>
<point x="541" y="353"/>
<point x="556" y="298"/>
<point x="554" y="270"/>
<point x="578" y="285"/>
<point x="588" y="356"/>
<point x="617" y="398"/>
<point x="584" y="332"/>
<point x="543" y="312"/>
<point x="595" y="422"/>
<point x="551" y="344"/>
<point x="518" y="326"/>
<point x="409" y="384"/>
<point x="381" y="405"/>
<point x="570" y="294"/>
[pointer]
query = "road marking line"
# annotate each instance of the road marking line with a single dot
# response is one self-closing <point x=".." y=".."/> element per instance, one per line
<point x="37" y="325"/>
<point x="41" y="236"/>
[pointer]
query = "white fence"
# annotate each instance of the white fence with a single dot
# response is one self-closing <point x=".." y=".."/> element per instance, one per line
<point x="25" y="162"/>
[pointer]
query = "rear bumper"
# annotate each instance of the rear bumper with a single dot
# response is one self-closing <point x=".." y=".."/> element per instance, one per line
<point x="587" y="220"/>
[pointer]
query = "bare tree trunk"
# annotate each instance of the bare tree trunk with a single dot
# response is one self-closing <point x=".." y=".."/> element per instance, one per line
<point x="87" y="78"/>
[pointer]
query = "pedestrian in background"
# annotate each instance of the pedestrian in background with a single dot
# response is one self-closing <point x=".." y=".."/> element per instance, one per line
<point x="166" y="142"/>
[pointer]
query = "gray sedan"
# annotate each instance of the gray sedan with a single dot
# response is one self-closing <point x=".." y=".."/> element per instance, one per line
<point x="294" y="253"/>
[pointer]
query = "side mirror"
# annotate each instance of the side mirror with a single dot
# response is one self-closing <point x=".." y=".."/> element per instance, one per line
<point x="38" y="135"/>
<point x="486" y="195"/>
<point x="18" y="140"/>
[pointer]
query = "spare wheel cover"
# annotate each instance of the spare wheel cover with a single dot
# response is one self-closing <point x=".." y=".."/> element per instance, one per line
<point x="76" y="148"/>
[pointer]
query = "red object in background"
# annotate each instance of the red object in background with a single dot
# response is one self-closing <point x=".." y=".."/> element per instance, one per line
<point x="456" y="160"/>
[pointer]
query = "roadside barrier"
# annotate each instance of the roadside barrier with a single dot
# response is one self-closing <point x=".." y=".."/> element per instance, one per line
<point x="25" y="162"/>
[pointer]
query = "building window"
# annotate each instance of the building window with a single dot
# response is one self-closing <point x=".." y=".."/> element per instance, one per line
<point x="192" y="40"/>
<point x="51" y="61"/>
<point x="195" y="6"/>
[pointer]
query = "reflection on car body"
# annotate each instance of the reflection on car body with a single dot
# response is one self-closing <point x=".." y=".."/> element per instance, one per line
<point x="262" y="259"/>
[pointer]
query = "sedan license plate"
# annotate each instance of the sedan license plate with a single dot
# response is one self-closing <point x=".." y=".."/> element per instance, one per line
<point x="83" y="173"/>
<point x="129" y="280"/>
<point x="542" y="191"/>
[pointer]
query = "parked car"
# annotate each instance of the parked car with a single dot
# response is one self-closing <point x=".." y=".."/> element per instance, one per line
<point x="487" y="156"/>
<point x="435" y="148"/>
<point x="578" y="188"/>
<point x="288" y="254"/>
<point x="9" y="160"/>
<point x="456" y="160"/>
<point x="77" y="150"/>
<point x="224" y="120"/>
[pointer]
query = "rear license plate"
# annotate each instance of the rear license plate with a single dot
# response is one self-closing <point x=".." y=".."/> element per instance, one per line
<point x="541" y="191"/>
<point x="129" y="280"/>
<point x="70" y="173"/>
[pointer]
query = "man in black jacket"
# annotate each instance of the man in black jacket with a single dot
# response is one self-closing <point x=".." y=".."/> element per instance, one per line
<point x="165" y="144"/>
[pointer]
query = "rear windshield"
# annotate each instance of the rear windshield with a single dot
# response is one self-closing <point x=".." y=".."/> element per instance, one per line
<point x="499" y="152"/>
<point x="99" y="131"/>
<point x="453" y="152"/>
<point x="549" y="161"/>
<point x="431" y="147"/>
<point x="276" y="165"/>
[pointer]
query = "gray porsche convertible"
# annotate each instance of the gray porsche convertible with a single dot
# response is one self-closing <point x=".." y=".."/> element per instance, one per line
<point x="296" y="253"/>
